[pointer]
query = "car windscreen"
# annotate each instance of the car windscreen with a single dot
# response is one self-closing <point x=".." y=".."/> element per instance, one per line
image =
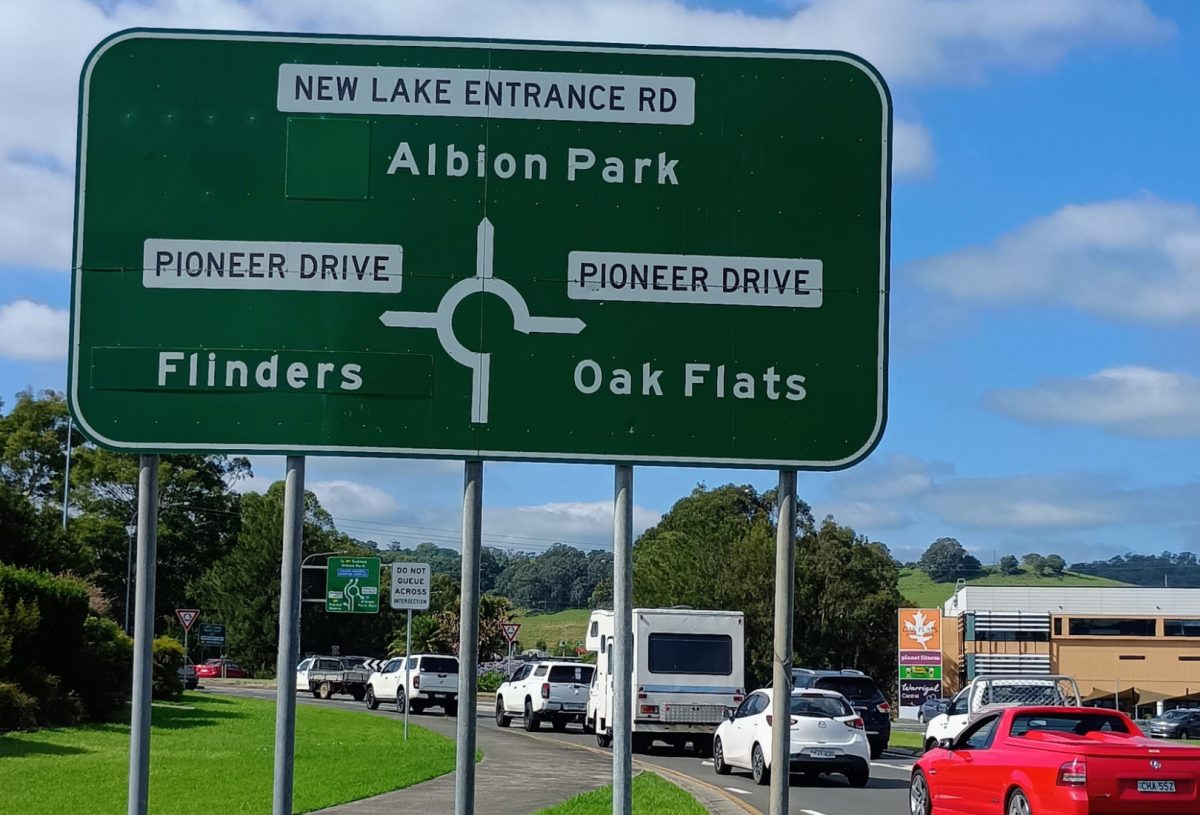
<point x="439" y="665"/>
<point x="821" y="707"/>
<point x="710" y="654"/>
<point x="854" y="688"/>
<point x="1176" y="714"/>
<point x="1078" y="723"/>
<point x="571" y="673"/>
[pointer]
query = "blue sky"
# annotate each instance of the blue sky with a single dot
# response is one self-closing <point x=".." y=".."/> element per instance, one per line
<point x="1045" y="379"/>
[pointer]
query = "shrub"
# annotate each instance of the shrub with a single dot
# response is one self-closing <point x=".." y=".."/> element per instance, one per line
<point x="104" y="672"/>
<point x="62" y="606"/>
<point x="168" y="659"/>
<point x="56" y="706"/>
<point x="490" y="681"/>
<point x="18" y="710"/>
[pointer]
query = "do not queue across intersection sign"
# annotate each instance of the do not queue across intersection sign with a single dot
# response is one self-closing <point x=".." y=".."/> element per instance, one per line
<point x="493" y="250"/>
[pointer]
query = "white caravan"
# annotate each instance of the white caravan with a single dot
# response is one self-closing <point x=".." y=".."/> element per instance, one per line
<point x="688" y="667"/>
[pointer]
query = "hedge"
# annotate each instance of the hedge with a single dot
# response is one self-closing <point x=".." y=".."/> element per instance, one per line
<point x="62" y="605"/>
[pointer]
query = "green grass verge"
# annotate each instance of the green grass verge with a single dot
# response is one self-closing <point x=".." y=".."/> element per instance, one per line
<point x="901" y="738"/>
<point x="567" y="626"/>
<point x="217" y="751"/>
<point x="651" y="796"/>
<point x="921" y="592"/>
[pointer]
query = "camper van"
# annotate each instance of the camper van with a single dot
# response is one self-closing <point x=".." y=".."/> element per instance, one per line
<point x="688" y="667"/>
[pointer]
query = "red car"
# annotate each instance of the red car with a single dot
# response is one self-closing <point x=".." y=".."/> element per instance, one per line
<point x="1055" y="761"/>
<point x="212" y="668"/>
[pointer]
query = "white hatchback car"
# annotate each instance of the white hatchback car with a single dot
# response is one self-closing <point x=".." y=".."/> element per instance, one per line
<point x="827" y="736"/>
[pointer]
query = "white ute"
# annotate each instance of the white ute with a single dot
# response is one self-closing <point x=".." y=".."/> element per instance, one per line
<point x="554" y="691"/>
<point x="432" y="682"/>
<point x="989" y="693"/>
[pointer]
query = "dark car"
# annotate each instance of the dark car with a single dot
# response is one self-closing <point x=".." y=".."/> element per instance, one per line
<point x="931" y="708"/>
<point x="862" y="693"/>
<point x="1174" y="724"/>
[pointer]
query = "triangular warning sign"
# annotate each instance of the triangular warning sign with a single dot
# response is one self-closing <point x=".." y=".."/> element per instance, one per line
<point x="187" y="616"/>
<point x="510" y="630"/>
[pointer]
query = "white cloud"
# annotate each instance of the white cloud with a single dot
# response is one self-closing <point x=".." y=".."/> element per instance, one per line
<point x="349" y="499"/>
<point x="864" y="517"/>
<point x="1131" y="401"/>
<point x="588" y="522"/>
<point x="1135" y="260"/>
<point x="43" y="45"/>
<point x="895" y="478"/>
<point x="33" y="331"/>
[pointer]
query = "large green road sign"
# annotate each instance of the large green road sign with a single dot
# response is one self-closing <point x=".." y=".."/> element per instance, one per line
<point x="481" y="249"/>
<point x="352" y="585"/>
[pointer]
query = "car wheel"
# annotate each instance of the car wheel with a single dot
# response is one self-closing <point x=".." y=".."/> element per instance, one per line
<point x="357" y="695"/>
<point x="1018" y="804"/>
<point x="502" y="720"/>
<point x="372" y="702"/>
<point x="702" y="746"/>
<point x="758" y="767"/>
<point x="876" y="750"/>
<point x="529" y="719"/>
<point x="450" y="708"/>
<point x="324" y="690"/>
<point x="719" y="758"/>
<point x="603" y="738"/>
<point x="919" y="800"/>
<point x="401" y="701"/>
<point x="859" y="776"/>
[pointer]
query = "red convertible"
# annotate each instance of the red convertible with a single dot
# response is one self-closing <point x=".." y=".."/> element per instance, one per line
<point x="1055" y="761"/>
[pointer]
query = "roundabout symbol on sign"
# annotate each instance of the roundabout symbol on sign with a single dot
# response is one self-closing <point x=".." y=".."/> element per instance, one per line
<point x="482" y="282"/>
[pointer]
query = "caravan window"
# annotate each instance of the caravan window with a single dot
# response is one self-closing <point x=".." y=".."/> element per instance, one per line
<point x="691" y="654"/>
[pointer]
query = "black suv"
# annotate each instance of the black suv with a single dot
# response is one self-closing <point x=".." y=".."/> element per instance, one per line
<point x="862" y="693"/>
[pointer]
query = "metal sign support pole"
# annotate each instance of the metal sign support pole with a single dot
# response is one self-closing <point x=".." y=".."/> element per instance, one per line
<point x="185" y="644"/>
<point x="622" y="715"/>
<point x="407" y="656"/>
<point x="143" y="635"/>
<point x="289" y="635"/>
<point x="781" y="679"/>
<point x="468" y="639"/>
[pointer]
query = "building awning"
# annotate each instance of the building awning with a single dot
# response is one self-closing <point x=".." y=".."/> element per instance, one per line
<point x="1129" y="696"/>
<point x="1186" y="698"/>
<point x="1148" y="697"/>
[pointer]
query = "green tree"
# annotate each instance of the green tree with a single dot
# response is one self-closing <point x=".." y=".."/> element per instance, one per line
<point x="1009" y="565"/>
<point x="1054" y="565"/>
<point x="33" y="442"/>
<point x="1034" y="562"/>
<point x="946" y="560"/>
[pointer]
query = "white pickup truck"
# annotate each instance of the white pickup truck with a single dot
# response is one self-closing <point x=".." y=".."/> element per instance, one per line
<point x="432" y="682"/>
<point x="989" y="693"/>
<point x="553" y="690"/>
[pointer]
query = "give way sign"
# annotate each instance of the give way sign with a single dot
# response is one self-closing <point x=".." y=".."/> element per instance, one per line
<point x="187" y="616"/>
<point x="510" y="630"/>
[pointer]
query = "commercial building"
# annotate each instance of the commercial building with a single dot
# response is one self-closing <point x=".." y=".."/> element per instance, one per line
<point x="1135" y="647"/>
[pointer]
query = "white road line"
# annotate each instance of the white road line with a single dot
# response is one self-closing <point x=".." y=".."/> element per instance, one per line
<point x="904" y="768"/>
<point x="812" y="812"/>
<point x="740" y="792"/>
<point x="706" y="763"/>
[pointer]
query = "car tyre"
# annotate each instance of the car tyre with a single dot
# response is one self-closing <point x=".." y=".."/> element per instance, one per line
<point x="502" y="719"/>
<point x="401" y="701"/>
<point x="1018" y="804"/>
<point x="758" y="767"/>
<point x="603" y="738"/>
<point x="920" y="802"/>
<point x="357" y="695"/>
<point x="324" y="690"/>
<point x="450" y="708"/>
<point x="718" y="755"/>
<point x="702" y="746"/>
<point x="529" y="719"/>
<point x="859" y="776"/>
<point x="877" y="750"/>
<point x="371" y="702"/>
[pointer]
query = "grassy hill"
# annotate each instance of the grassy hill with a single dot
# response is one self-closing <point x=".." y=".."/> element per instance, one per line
<point x="921" y="592"/>
<point x="564" y="626"/>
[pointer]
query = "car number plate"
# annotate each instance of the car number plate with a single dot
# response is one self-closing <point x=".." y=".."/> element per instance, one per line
<point x="1156" y="786"/>
<point x="823" y="753"/>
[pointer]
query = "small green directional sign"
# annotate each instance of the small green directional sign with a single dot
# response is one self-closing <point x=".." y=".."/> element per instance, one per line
<point x="352" y="585"/>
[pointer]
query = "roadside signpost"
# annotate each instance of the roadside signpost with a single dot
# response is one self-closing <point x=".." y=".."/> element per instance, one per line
<point x="919" y="639"/>
<point x="352" y="585"/>
<point x="409" y="590"/>
<point x="510" y="633"/>
<point x="212" y="635"/>
<point x="186" y="616"/>
<point x="480" y="250"/>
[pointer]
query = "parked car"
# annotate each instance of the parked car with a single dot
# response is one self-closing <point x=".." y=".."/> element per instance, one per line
<point x="862" y="693"/>
<point x="325" y="676"/>
<point x="432" y="681"/>
<point x="187" y="674"/>
<point x="1069" y="760"/>
<point x="212" y="668"/>
<point x="554" y="691"/>
<point x="827" y="736"/>
<point x="1174" y="724"/>
<point x="931" y="708"/>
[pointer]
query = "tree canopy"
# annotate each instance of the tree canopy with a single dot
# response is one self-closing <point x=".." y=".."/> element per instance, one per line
<point x="946" y="560"/>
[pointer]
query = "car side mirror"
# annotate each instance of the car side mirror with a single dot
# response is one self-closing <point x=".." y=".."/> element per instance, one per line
<point x="946" y="744"/>
<point x="729" y="712"/>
